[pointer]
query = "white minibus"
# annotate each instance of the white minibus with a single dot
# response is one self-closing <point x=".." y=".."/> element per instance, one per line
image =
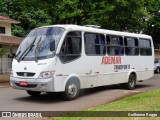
<point x="67" y="58"/>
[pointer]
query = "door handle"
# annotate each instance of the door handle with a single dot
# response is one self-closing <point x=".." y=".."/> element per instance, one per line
<point x="90" y="72"/>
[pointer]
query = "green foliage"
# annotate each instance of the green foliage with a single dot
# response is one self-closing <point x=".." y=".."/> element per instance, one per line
<point x="2" y="52"/>
<point x="27" y="12"/>
<point x="124" y="15"/>
<point x="127" y="15"/>
<point x="148" y="101"/>
<point x="80" y="12"/>
<point x="153" y="27"/>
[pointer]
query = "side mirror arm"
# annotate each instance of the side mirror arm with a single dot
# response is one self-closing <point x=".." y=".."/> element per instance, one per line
<point x="11" y="52"/>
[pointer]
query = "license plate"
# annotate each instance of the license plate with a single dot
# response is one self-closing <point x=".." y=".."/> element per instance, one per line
<point x="22" y="83"/>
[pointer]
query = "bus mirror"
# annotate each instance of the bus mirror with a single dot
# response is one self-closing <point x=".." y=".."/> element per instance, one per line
<point x="52" y="45"/>
<point x="12" y="55"/>
<point x="60" y="53"/>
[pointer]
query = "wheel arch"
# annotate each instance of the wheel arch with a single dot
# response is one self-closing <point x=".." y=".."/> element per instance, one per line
<point x="73" y="77"/>
<point x="132" y="72"/>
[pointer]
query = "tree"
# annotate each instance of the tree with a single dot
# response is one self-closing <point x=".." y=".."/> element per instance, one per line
<point x="123" y="15"/>
<point x="79" y="12"/>
<point x="27" y="12"/>
<point x="2" y="52"/>
<point x="142" y="16"/>
<point x="153" y="27"/>
<point x="127" y="15"/>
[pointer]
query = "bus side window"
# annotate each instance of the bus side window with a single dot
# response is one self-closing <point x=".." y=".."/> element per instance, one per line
<point x="131" y="46"/>
<point x="71" y="47"/>
<point x="94" y="44"/>
<point x="115" y="45"/>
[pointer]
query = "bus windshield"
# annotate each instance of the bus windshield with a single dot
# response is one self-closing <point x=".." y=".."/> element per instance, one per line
<point x="40" y="44"/>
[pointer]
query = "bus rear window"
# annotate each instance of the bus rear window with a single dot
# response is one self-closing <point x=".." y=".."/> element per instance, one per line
<point x="145" y="47"/>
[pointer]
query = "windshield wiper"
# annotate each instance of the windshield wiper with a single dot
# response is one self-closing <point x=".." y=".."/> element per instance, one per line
<point x="27" y="49"/>
<point x="37" y="47"/>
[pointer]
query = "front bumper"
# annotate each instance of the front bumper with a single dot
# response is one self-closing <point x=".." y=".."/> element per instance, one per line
<point x="34" y="84"/>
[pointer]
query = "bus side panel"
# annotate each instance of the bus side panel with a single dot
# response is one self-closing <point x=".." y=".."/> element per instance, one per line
<point x="58" y="78"/>
<point x="79" y="68"/>
<point x="143" y="65"/>
<point x="104" y="71"/>
<point x="146" y="68"/>
<point x="64" y="70"/>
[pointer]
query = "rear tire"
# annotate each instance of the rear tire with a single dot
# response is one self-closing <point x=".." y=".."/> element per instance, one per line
<point x="72" y="90"/>
<point x="131" y="82"/>
<point x="33" y="93"/>
<point x="158" y="70"/>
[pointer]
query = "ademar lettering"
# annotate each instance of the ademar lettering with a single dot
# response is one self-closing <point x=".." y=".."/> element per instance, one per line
<point x="111" y="60"/>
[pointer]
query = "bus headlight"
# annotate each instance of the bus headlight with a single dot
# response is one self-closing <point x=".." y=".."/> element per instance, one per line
<point x="46" y="74"/>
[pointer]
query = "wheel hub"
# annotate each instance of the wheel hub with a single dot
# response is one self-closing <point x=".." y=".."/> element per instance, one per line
<point x="72" y="90"/>
<point x="132" y="82"/>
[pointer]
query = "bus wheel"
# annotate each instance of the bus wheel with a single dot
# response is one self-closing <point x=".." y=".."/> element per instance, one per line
<point x="33" y="93"/>
<point x="131" y="82"/>
<point x="72" y="90"/>
<point x="158" y="70"/>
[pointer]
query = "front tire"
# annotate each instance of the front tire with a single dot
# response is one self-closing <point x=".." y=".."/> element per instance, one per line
<point x="72" y="90"/>
<point x="33" y="93"/>
<point x="131" y="82"/>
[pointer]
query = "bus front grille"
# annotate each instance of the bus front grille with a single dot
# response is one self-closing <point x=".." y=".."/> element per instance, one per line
<point x="25" y="74"/>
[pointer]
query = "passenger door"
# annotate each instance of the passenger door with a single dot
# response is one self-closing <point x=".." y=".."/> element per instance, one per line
<point x="70" y="55"/>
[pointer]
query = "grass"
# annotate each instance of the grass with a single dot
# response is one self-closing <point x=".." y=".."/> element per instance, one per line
<point x="148" y="101"/>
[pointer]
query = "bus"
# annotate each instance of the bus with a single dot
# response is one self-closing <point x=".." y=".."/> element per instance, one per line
<point x="68" y="58"/>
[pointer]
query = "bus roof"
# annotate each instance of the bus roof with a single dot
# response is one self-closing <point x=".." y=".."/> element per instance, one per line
<point x="98" y="30"/>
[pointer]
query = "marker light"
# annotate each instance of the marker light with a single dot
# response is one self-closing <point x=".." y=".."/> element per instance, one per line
<point x="46" y="74"/>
